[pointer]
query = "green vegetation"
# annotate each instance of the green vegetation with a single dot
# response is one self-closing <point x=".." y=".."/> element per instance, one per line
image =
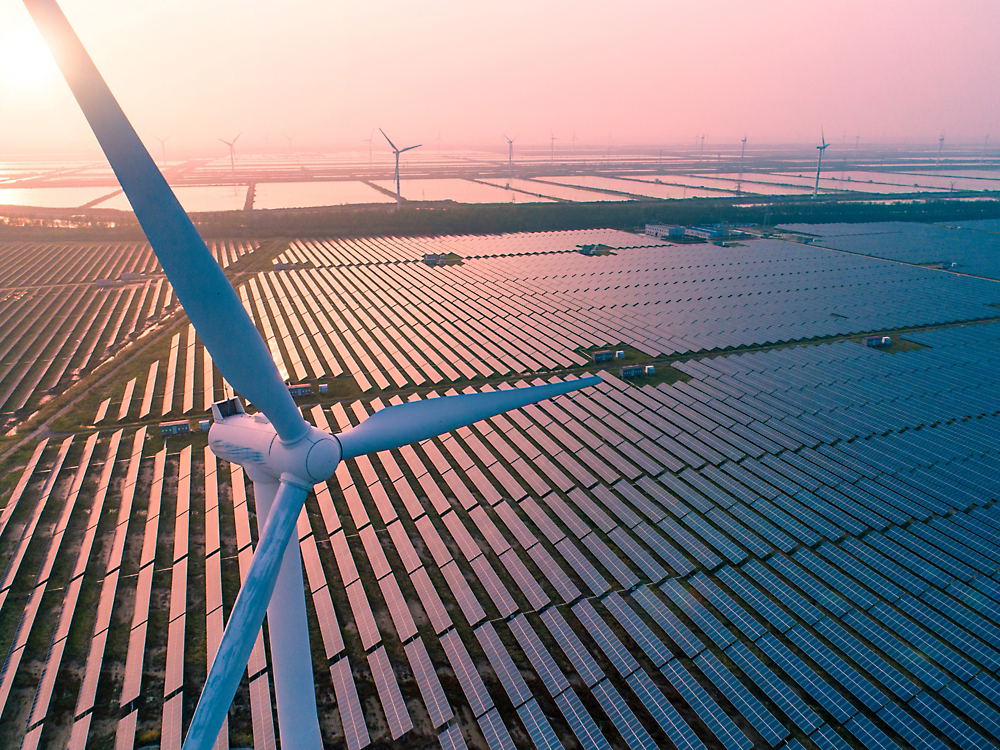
<point x="447" y="217"/>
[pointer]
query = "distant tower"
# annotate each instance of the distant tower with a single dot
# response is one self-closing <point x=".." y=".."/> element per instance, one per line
<point x="370" y="140"/>
<point x="232" y="152"/>
<point x="940" y="148"/>
<point x="739" y="183"/>
<point x="552" y="146"/>
<point x="510" y="157"/>
<point x="163" y="148"/>
<point x="819" y="165"/>
<point x="398" y="151"/>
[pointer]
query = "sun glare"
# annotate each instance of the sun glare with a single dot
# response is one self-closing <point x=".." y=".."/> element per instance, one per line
<point x="25" y="62"/>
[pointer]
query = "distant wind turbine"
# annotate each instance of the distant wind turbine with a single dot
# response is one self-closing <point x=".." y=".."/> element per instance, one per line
<point x="370" y="140"/>
<point x="163" y="147"/>
<point x="940" y="148"/>
<point x="743" y="149"/>
<point x="552" y="145"/>
<point x="289" y="142"/>
<point x="398" y="151"/>
<point x="510" y="157"/>
<point x="856" y="139"/>
<point x="232" y="151"/>
<point x="819" y="165"/>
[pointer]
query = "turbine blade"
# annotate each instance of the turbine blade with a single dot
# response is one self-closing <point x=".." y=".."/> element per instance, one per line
<point x="410" y="148"/>
<point x="412" y="422"/>
<point x="387" y="138"/>
<point x="244" y="622"/>
<point x="209" y="300"/>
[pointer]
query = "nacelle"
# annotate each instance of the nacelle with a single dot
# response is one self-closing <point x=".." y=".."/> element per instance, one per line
<point x="250" y="441"/>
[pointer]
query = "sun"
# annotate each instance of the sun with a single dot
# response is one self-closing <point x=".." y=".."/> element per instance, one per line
<point x="25" y="62"/>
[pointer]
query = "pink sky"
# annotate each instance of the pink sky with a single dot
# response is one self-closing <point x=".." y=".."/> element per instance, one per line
<point x="653" y="72"/>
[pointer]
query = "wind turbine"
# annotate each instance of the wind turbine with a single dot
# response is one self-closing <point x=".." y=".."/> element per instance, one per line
<point x="510" y="158"/>
<point x="282" y="454"/>
<point x="397" y="151"/>
<point x="552" y="146"/>
<point x="739" y="182"/>
<point x="370" y="141"/>
<point x="940" y="147"/>
<point x="819" y="165"/>
<point x="163" y="148"/>
<point x="232" y="151"/>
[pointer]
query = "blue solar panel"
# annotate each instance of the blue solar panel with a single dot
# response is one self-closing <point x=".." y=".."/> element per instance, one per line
<point x="756" y="599"/>
<point x="625" y="721"/>
<point x="663" y="713"/>
<point x="770" y="728"/>
<point x="782" y="696"/>
<point x="821" y="691"/>
<point x="718" y="722"/>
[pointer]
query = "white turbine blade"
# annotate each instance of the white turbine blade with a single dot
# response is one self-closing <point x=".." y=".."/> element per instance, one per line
<point x="388" y="139"/>
<point x="209" y="300"/>
<point x="410" y="148"/>
<point x="245" y="620"/>
<point x="412" y="422"/>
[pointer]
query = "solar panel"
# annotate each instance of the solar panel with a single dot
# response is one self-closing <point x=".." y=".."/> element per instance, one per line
<point x="787" y="700"/>
<point x="663" y="713"/>
<point x="428" y="682"/>
<point x="926" y="643"/>
<point x="430" y="600"/>
<point x="351" y="716"/>
<point x="591" y="577"/>
<point x="637" y="630"/>
<point x="908" y="657"/>
<point x="541" y="732"/>
<point x="718" y="722"/>
<point x="452" y="739"/>
<point x="608" y="642"/>
<point x="677" y="631"/>
<point x="570" y="644"/>
<point x="625" y="721"/>
<point x="770" y="728"/>
<point x="947" y="722"/>
<point x="468" y="677"/>
<point x="388" y="690"/>
<point x="581" y="722"/>
<point x="781" y="591"/>
<point x="756" y="599"/>
<point x="496" y="734"/>
<point x="636" y="554"/>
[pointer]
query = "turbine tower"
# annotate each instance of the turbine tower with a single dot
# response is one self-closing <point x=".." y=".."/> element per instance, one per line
<point x="397" y="151"/>
<point x="163" y="148"/>
<point x="819" y="165"/>
<point x="369" y="140"/>
<point x="232" y="152"/>
<point x="552" y="146"/>
<point x="510" y="158"/>
<point x="282" y="454"/>
<point x="940" y="147"/>
<point x="743" y="150"/>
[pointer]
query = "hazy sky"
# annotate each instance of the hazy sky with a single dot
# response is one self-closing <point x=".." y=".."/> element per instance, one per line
<point x="651" y="72"/>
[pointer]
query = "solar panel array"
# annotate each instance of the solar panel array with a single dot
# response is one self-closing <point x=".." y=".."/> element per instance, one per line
<point x="792" y="547"/>
<point x="393" y="325"/>
<point x="954" y="247"/>
<point x="56" y="322"/>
